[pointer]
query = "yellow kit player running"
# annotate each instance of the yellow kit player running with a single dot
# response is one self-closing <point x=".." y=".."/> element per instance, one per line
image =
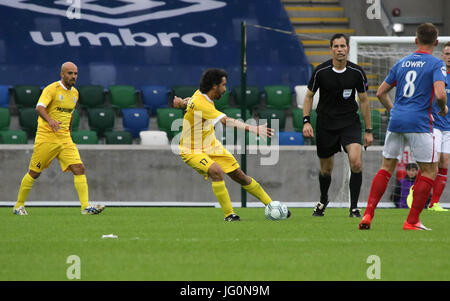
<point x="53" y="140"/>
<point x="200" y="149"/>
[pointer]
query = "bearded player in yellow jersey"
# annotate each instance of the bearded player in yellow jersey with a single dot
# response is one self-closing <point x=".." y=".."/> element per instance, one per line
<point x="200" y="149"/>
<point x="55" y="107"/>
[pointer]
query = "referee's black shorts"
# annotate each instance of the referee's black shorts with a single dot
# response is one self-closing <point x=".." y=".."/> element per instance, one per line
<point x="329" y="142"/>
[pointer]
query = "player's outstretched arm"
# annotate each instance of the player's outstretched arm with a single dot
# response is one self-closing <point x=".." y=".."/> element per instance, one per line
<point x="383" y="96"/>
<point x="307" y="107"/>
<point x="260" y="130"/>
<point x="180" y="103"/>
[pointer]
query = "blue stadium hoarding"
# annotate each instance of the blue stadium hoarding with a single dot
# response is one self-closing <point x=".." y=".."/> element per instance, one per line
<point x="145" y="42"/>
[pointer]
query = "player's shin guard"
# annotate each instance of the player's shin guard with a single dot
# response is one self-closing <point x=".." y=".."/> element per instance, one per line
<point x="439" y="185"/>
<point x="257" y="191"/>
<point x="81" y="186"/>
<point x="222" y="195"/>
<point x="422" y="190"/>
<point x="379" y="185"/>
<point x="24" y="190"/>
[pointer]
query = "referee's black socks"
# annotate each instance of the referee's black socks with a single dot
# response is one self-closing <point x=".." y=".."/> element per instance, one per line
<point x="324" y="181"/>
<point x="355" y="188"/>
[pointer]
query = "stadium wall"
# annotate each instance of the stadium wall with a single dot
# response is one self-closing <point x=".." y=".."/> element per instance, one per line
<point x="155" y="175"/>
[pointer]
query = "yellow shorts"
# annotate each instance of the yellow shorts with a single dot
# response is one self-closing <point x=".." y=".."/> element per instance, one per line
<point x="44" y="153"/>
<point x="202" y="162"/>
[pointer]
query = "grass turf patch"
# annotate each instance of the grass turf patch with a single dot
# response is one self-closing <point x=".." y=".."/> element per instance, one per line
<point x="196" y="244"/>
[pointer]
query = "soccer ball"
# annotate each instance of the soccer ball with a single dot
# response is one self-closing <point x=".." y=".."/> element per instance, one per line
<point x="276" y="211"/>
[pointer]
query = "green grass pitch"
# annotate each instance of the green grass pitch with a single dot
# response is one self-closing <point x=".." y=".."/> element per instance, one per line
<point x="190" y="244"/>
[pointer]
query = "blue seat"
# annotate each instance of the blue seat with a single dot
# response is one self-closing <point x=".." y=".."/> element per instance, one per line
<point x="135" y="120"/>
<point x="290" y="138"/>
<point x="4" y="96"/>
<point x="154" y="97"/>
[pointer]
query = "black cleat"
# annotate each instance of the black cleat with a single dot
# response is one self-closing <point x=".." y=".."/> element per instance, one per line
<point x="354" y="212"/>
<point x="232" y="218"/>
<point x="289" y="213"/>
<point x="320" y="209"/>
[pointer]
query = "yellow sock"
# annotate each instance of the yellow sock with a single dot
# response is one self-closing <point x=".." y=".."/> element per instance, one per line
<point x="257" y="191"/>
<point x="24" y="190"/>
<point x="82" y="188"/>
<point x="221" y="193"/>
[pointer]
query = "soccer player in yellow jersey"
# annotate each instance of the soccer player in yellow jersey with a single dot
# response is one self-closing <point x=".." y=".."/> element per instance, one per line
<point x="53" y="140"/>
<point x="200" y="149"/>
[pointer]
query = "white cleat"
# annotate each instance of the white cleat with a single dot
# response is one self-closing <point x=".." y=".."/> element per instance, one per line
<point x="20" y="211"/>
<point x="95" y="209"/>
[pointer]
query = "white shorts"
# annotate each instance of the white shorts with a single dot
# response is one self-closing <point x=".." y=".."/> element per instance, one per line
<point x="422" y="146"/>
<point x="442" y="139"/>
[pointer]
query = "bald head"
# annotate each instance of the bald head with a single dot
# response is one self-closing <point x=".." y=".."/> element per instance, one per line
<point x="68" y="65"/>
<point x="69" y="74"/>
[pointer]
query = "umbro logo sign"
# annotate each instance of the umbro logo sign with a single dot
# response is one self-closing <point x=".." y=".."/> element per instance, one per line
<point x="116" y="12"/>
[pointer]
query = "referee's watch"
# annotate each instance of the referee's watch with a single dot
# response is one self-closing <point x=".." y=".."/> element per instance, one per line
<point x="369" y="131"/>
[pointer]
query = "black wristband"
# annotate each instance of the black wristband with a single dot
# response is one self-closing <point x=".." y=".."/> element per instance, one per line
<point x="369" y="131"/>
<point x="306" y="119"/>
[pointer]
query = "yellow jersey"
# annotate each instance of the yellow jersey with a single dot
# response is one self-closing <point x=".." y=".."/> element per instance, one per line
<point x="59" y="102"/>
<point x="198" y="135"/>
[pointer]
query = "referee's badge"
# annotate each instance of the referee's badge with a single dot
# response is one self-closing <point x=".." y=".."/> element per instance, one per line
<point x="60" y="97"/>
<point x="74" y="99"/>
<point x="347" y="93"/>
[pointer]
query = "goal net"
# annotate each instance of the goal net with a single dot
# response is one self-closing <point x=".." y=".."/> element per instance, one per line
<point x="377" y="55"/>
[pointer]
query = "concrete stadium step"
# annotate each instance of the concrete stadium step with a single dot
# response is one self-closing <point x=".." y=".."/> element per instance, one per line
<point x="315" y="43"/>
<point x="299" y="11"/>
<point x="321" y="33"/>
<point x="314" y="2"/>
<point x="318" y="20"/>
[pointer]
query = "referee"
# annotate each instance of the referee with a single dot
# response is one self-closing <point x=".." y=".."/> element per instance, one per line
<point x="337" y="119"/>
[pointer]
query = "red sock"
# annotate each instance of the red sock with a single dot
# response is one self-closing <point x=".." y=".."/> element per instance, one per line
<point x="421" y="194"/>
<point x="439" y="185"/>
<point x="379" y="185"/>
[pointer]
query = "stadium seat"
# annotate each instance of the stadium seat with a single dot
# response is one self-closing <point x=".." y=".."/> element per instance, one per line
<point x="5" y="119"/>
<point x="122" y="96"/>
<point x="270" y="115"/>
<point x="75" y="120"/>
<point x="278" y="97"/>
<point x="252" y="97"/>
<point x="166" y="116"/>
<point x="13" y="137"/>
<point x="91" y="96"/>
<point x="135" y="121"/>
<point x="297" y="119"/>
<point x="184" y="91"/>
<point x="223" y="103"/>
<point x="290" y="138"/>
<point x="118" y="137"/>
<point x="300" y="93"/>
<point x="28" y="120"/>
<point x="85" y="137"/>
<point x="236" y="113"/>
<point x="101" y="120"/>
<point x="26" y="96"/>
<point x="154" y="138"/>
<point x="154" y="97"/>
<point x="4" y="96"/>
